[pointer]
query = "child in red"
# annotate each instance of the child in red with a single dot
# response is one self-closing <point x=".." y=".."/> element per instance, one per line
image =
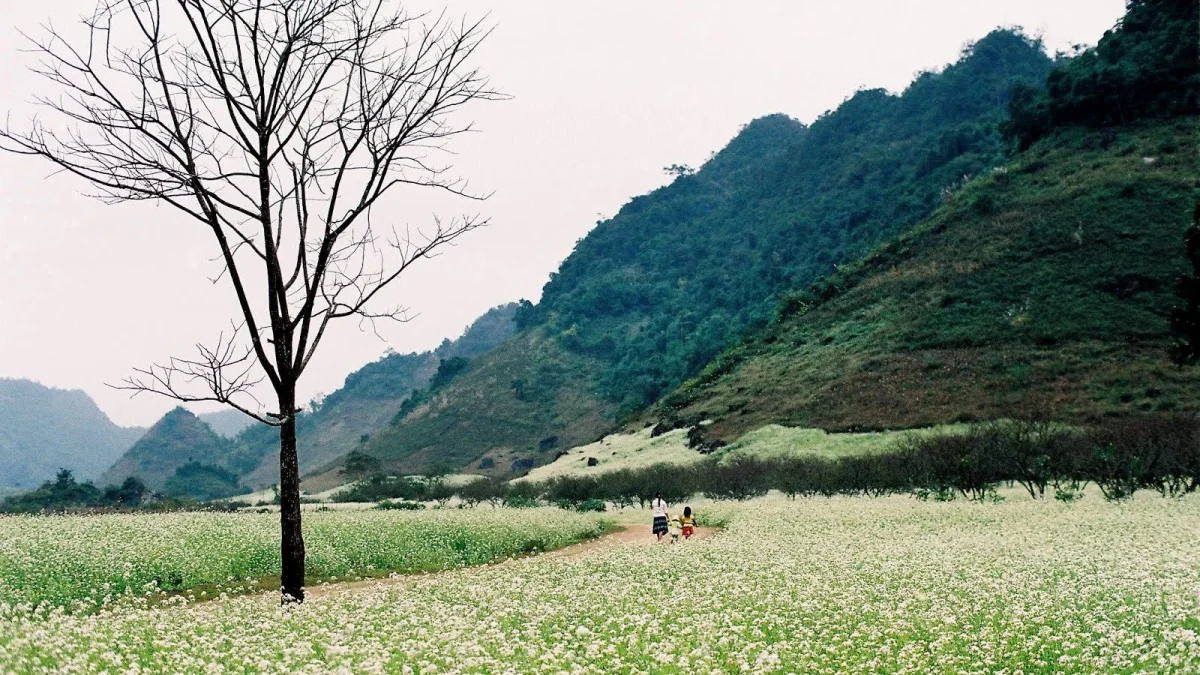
<point x="688" y="522"/>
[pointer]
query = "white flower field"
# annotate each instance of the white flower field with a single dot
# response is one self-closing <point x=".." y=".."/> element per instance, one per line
<point x="78" y="562"/>
<point x="812" y="586"/>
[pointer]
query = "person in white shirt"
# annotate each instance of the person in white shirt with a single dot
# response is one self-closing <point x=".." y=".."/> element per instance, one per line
<point x="660" y="515"/>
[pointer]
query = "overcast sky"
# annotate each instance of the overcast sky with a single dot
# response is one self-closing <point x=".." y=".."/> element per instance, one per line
<point x="605" y="94"/>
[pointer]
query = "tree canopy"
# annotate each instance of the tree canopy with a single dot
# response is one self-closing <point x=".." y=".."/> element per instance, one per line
<point x="1148" y="65"/>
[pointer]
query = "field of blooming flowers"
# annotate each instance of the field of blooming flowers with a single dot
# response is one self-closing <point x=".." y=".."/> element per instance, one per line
<point x="826" y="586"/>
<point x="78" y="562"/>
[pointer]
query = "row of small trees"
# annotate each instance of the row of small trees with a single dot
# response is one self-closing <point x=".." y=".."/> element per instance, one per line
<point x="409" y="488"/>
<point x="66" y="494"/>
<point x="1120" y="458"/>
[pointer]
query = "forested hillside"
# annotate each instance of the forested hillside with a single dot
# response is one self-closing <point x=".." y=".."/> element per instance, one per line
<point x="651" y="295"/>
<point x="1043" y="289"/>
<point x="44" y="429"/>
<point x="348" y="418"/>
<point x="1146" y="67"/>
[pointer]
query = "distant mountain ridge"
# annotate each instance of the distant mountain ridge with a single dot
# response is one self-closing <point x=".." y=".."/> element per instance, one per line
<point x="226" y="423"/>
<point x="219" y="449"/>
<point x="43" y="429"/>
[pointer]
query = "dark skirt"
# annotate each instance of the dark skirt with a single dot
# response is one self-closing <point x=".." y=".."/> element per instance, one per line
<point x="660" y="525"/>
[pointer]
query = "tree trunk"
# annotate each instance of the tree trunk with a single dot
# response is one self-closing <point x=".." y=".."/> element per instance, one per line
<point x="292" y="541"/>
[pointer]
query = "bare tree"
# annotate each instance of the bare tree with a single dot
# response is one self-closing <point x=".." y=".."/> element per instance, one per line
<point x="279" y="125"/>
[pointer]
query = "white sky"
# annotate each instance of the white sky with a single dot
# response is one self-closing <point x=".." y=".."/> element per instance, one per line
<point x="605" y="94"/>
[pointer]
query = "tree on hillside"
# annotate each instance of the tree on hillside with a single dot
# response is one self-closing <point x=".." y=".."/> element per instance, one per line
<point x="1147" y="66"/>
<point x="279" y="125"/>
<point x="1185" y="320"/>
<point x="359" y="465"/>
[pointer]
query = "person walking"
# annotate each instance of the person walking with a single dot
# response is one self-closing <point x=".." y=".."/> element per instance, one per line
<point x="660" y="515"/>
<point x="688" y="522"/>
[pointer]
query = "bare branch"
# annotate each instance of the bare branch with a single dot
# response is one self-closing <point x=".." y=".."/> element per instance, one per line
<point x="223" y="373"/>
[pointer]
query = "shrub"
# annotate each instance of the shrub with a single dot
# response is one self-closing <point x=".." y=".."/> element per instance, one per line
<point x="400" y="505"/>
<point x="1160" y="453"/>
<point x="520" y="502"/>
<point x="483" y="490"/>
<point x="572" y="489"/>
<point x="522" y="495"/>
<point x="359" y="464"/>
<point x="382" y="486"/>
<point x="438" y="491"/>
<point x="738" y="478"/>
<point x="592" y="506"/>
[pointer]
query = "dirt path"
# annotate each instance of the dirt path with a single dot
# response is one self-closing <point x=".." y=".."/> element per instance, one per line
<point x="625" y="535"/>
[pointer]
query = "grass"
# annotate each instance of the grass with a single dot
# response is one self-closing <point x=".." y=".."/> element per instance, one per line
<point x="774" y="440"/>
<point x="526" y="401"/>
<point x="820" y="585"/>
<point x="639" y="450"/>
<point x="82" y="562"/>
<point x="620" y="451"/>
<point x="1043" y="288"/>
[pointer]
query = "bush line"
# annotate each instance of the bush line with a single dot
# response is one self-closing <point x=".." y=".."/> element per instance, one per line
<point x="1119" y="457"/>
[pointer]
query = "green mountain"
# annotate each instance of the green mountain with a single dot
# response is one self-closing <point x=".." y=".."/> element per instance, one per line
<point x="371" y="397"/>
<point x="529" y="392"/>
<point x="653" y="294"/>
<point x="1044" y="288"/>
<point x="658" y="291"/>
<point x="177" y="439"/>
<point x="44" y="429"/>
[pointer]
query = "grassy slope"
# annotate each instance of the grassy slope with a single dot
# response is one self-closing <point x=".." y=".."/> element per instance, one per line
<point x="620" y="451"/>
<point x="487" y="414"/>
<point x="639" y="450"/>
<point x="366" y="404"/>
<point x="1042" y="289"/>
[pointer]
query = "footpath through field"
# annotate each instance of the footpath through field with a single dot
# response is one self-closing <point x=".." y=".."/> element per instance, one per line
<point x="624" y="535"/>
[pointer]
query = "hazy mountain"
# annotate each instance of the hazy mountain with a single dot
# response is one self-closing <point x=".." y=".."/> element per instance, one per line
<point x="43" y="429"/>
<point x="226" y="423"/>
